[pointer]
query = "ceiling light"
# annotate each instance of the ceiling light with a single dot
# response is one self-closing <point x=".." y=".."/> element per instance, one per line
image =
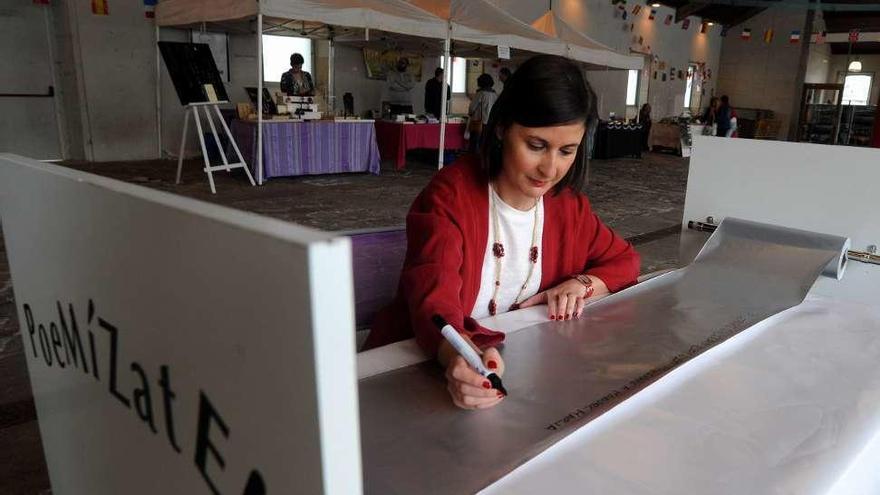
<point x="710" y="23"/>
<point x="855" y="66"/>
<point x="655" y="5"/>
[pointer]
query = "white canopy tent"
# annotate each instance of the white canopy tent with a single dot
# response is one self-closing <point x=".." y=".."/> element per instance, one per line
<point x="472" y="21"/>
<point x="580" y="46"/>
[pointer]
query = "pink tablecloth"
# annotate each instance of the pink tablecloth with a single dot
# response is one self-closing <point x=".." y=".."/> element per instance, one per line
<point x="396" y="138"/>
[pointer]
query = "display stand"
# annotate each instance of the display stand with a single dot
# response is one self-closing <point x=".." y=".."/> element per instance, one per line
<point x="193" y="108"/>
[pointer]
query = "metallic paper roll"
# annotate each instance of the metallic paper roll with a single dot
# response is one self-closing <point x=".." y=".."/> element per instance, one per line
<point x="561" y="375"/>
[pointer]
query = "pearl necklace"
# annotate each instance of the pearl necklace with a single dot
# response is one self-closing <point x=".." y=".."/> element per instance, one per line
<point x="498" y="252"/>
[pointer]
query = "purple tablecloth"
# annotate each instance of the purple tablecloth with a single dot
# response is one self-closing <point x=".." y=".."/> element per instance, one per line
<point x="309" y="148"/>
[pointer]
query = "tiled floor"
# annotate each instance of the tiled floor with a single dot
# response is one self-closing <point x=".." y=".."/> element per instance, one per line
<point x="641" y="199"/>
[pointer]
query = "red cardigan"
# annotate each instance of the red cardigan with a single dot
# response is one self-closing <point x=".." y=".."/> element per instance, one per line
<point x="447" y="228"/>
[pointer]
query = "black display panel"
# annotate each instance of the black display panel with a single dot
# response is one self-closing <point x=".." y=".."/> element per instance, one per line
<point x="191" y="66"/>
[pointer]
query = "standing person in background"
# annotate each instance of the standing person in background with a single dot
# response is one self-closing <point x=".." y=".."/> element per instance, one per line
<point x="480" y="109"/>
<point x="711" y="111"/>
<point x="645" y="120"/>
<point x="723" y="116"/>
<point x="297" y="82"/>
<point x="433" y="92"/>
<point x="399" y="84"/>
<point x="503" y="74"/>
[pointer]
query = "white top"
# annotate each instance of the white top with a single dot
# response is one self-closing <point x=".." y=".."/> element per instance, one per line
<point x="516" y="236"/>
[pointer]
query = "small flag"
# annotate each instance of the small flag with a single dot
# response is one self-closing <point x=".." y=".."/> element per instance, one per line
<point x="637" y="9"/>
<point x="820" y="37"/>
<point x="853" y="35"/>
<point x="768" y="35"/>
<point x="746" y="34"/>
<point x="150" y="9"/>
<point x="704" y="27"/>
<point x="724" y="30"/>
<point x="653" y="14"/>
<point x="668" y="20"/>
<point x="100" y="7"/>
<point x="795" y="37"/>
<point x="685" y="24"/>
<point x="623" y="14"/>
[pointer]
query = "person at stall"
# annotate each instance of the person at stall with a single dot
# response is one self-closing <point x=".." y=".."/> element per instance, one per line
<point x="297" y="82"/>
<point x="506" y="229"/>
<point x="723" y="117"/>
<point x="503" y="75"/>
<point x="433" y="92"/>
<point x="480" y="109"/>
<point x="711" y="111"/>
<point x="645" y="121"/>
<point x="399" y="84"/>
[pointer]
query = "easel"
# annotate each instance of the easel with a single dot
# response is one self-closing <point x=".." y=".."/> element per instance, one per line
<point x="193" y="108"/>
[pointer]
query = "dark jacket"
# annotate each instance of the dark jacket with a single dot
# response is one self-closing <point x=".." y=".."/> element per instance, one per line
<point x="433" y="90"/>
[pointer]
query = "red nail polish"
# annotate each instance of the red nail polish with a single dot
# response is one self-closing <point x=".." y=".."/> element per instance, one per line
<point x="492" y="364"/>
<point x="552" y="317"/>
<point x="558" y="317"/>
<point x="487" y="385"/>
<point x="567" y="317"/>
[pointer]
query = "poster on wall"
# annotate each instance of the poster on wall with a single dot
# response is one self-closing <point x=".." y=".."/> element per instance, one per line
<point x="219" y="43"/>
<point x="379" y="62"/>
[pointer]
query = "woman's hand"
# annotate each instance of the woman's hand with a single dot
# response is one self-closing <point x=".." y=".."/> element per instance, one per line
<point x="469" y="389"/>
<point x="566" y="300"/>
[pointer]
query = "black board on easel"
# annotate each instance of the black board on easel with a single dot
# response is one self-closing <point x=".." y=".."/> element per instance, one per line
<point x="191" y="66"/>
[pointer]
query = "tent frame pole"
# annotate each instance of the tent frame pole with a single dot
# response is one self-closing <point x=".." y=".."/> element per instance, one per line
<point x="259" y="151"/>
<point x="443" y="92"/>
<point x="158" y="98"/>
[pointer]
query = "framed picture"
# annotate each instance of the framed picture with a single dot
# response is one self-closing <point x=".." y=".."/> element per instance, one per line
<point x="379" y="62"/>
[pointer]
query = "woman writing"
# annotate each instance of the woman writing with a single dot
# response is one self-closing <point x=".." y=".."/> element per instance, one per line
<point x="508" y="229"/>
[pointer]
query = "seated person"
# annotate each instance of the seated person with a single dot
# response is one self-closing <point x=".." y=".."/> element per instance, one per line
<point x="297" y="82"/>
<point x="507" y="229"/>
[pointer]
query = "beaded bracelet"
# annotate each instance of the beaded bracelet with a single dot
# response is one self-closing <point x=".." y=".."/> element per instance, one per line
<point x="588" y="283"/>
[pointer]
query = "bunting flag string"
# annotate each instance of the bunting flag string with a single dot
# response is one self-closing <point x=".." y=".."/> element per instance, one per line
<point x="668" y="20"/>
<point x="636" y="9"/>
<point x="100" y="7"/>
<point x="685" y="24"/>
<point x="746" y="34"/>
<point x="768" y="35"/>
<point x="653" y="14"/>
<point x="795" y="37"/>
<point x="150" y="9"/>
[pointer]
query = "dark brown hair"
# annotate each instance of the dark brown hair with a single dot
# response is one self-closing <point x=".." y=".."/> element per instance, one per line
<point x="547" y="90"/>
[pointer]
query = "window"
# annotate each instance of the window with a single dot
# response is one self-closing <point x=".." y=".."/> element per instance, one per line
<point x="688" y="90"/>
<point x="276" y="55"/>
<point x="459" y="73"/>
<point x="857" y="89"/>
<point x="632" y="88"/>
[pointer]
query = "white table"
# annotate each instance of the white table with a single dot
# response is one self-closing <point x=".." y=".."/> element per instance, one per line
<point x="791" y="405"/>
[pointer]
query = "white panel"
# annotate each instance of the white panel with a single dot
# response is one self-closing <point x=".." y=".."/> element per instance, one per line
<point x="243" y="310"/>
<point x="822" y="188"/>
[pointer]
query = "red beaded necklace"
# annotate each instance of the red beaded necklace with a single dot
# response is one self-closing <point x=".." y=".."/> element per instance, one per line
<point x="498" y="252"/>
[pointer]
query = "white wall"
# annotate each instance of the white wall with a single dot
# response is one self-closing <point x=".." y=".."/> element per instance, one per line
<point x="760" y="75"/>
<point x="116" y="77"/>
<point x="818" y="64"/>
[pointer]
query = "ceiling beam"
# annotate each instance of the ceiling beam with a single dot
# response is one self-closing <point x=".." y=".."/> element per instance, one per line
<point x="740" y="18"/>
<point x="689" y="9"/>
